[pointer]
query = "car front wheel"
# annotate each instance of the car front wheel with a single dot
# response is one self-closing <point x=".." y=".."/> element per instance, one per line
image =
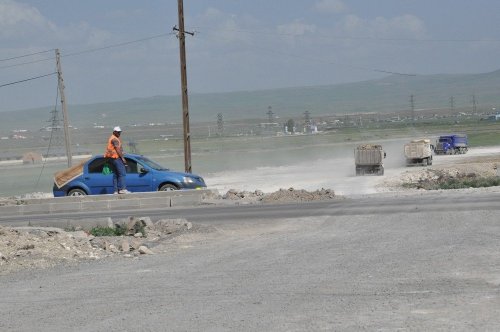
<point x="168" y="187"/>
<point x="77" y="192"/>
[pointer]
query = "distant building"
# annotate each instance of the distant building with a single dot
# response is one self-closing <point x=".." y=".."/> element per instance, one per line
<point x="31" y="158"/>
<point x="495" y="117"/>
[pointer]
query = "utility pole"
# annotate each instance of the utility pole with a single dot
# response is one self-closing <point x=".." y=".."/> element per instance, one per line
<point x="67" y="137"/>
<point x="185" y="106"/>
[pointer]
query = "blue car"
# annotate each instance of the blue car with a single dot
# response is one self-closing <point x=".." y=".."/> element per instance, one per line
<point x="143" y="175"/>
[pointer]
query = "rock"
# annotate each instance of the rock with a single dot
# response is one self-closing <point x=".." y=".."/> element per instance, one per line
<point x="78" y="235"/>
<point x="145" y="250"/>
<point x="170" y="224"/>
<point x="138" y="234"/>
<point x="2" y="257"/>
<point x="146" y="221"/>
<point x="136" y="243"/>
<point x="125" y="246"/>
<point x="135" y="226"/>
<point x="189" y="225"/>
<point x="113" y="248"/>
<point x="110" y="223"/>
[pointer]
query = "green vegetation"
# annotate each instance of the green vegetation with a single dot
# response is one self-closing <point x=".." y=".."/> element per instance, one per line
<point x="107" y="231"/>
<point x="119" y="230"/>
<point x="471" y="183"/>
<point x="461" y="181"/>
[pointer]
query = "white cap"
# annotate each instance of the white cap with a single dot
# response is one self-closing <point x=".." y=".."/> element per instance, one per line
<point x="117" y="128"/>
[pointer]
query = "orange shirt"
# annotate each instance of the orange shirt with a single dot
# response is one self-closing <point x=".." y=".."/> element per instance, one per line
<point x="114" y="143"/>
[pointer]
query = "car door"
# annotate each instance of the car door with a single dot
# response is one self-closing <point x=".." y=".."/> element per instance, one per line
<point x="98" y="182"/>
<point x="136" y="180"/>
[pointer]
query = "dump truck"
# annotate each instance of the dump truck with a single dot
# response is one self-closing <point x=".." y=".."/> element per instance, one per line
<point x="451" y="144"/>
<point x="418" y="152"/>
<point x="368" y="159"/>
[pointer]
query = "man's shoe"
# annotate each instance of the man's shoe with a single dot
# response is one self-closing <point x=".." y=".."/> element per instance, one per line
<point x="115" y="193"/>
<point x="124" y="191"/>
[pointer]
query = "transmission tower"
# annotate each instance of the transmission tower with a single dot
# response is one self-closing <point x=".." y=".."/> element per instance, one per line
<point x="412" y="107"/>
<point x="220" y="124"/>
<point x="270" y="114"/>
<point x="56" y="133"/>
<point x="307" y="118"/>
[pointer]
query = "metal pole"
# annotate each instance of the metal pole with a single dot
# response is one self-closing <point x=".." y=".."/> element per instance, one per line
<point x="67" y="137"/>
<point x="185" y="107"/>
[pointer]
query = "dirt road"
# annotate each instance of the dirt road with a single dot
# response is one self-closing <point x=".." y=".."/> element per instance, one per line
<point x="338" y="173"/>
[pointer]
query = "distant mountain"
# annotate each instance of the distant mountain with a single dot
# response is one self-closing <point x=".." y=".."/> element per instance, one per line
<point x="384" y="95"/>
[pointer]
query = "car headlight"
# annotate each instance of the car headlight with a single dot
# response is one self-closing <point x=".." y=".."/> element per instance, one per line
<point x="187" y="179"/>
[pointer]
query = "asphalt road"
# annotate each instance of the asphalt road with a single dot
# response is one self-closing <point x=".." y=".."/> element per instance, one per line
<point x="426" y="262"/>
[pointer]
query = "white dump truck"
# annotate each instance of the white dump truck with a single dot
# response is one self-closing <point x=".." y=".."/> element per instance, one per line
<point x="418" y="152"/>
<point x="368" y="159"/>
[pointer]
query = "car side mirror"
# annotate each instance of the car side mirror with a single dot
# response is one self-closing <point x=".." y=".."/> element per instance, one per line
<point x="142" y="170"/>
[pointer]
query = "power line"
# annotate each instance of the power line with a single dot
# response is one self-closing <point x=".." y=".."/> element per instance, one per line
<point x="118" y="45"/>
<point x="28" y="79"/>
<point x="26" y="55"/>
<point x="332" y="37"/>
<point x="88" y="50"/>
<point x="335" y="63"/>
<point x="27" y="63"/>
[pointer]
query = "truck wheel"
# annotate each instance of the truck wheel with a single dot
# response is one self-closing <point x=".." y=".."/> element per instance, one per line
<point x="430" y="161"/>
<point x="424" y="162"/>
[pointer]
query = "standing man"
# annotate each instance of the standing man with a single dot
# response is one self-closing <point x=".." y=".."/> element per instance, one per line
<point x="114" y="153"/>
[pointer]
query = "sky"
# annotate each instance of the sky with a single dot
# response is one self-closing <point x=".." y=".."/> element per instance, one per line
<point x="114" y="50"/>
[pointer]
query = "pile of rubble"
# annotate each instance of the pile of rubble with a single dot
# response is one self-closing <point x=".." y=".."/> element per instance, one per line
<point x="42" y="247"/>
<point x="282" y="195"/>
<point x="11" y="201"/>
<point x="433" y="178"/>
<point x="21" y="199"/>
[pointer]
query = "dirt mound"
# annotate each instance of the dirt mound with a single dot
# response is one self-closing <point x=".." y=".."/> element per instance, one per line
<point x="292" y="195"/>
<point x="433" y="177"/>
<point x="282" y="195"/>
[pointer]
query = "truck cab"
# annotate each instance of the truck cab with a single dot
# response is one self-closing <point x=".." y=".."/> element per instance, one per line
<point x="451" y="144"/>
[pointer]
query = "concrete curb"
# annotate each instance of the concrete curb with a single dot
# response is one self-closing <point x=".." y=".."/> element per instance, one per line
<point x="95" y="203"/>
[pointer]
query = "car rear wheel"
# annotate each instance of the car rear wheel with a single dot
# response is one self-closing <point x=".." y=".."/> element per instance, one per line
<point x="168" y="187"/>
<point x="77" y="192"/>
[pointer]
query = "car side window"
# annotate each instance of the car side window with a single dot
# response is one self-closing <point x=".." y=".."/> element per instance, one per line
<point x="96" y="165"/>
<point x="131" y="166"/>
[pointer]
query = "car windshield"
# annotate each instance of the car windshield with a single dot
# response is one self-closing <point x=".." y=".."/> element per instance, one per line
<point x="152" y="164"/>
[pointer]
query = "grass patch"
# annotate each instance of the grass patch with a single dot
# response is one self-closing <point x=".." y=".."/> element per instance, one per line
<point x="457" y="183"/>
<point x="461" y="181"/>
<point x="107" y="231"/>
